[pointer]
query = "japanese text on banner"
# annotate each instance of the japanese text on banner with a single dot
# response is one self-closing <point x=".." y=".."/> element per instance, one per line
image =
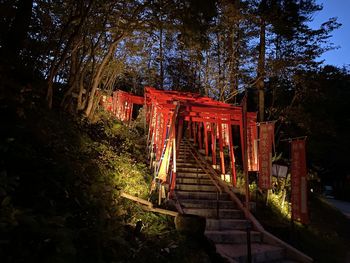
<point x="266" y="136"/>
<point x="299" y="182"/>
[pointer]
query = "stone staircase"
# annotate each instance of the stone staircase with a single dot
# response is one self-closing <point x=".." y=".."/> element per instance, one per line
<point x="226" y="225"/>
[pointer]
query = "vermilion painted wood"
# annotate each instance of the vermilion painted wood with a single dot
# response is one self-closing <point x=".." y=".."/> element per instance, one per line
<point x="221" y="148"/>
<point x="200" y="114"/>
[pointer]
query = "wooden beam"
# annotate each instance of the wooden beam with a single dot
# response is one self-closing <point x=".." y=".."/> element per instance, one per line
<point x="148" y="205"/>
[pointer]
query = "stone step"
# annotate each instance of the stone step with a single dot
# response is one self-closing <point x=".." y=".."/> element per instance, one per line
<point x="232" y="236"/>
<point x="185" y="155"/>
<point x="189" y="180"/>
<point x="260" y="252"/>
<point x="188" y="169"/>
<point x="225" y="224"/>
<point x="187" y="164"/>
<point x="203" y="195"/>
<point x="192" y="203"/>
<point x="185" y="160"/>
<point x="183" y="149"/>
<point x="191" y="175"/>
<point x="196" y="187"/>
<point x="213" y="213"/>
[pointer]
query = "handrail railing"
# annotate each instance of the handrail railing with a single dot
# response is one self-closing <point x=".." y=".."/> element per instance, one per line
<point x="267" y="237"/>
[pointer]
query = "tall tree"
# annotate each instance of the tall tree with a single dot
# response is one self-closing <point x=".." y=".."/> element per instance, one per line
<point x="15" y="28"/>
<point x="283" y="27"/>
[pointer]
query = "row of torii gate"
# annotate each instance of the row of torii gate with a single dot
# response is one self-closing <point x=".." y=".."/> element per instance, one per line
<point x="209" y="123"/>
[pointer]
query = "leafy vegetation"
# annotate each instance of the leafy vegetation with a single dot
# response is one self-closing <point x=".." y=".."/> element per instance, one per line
<point x="325" y="239"/>
<point x="61" y="179"/>
<point x="327" y="236"/>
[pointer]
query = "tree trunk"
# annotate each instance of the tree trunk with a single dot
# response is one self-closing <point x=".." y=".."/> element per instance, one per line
<point x="233" y="61"/>
<point x="17" y="33"/>
<point x="53" y="71"/>
<point x="161" y="54"/>
<point x="71" y="40"/>
<point x="219" y="77"/>
<point x="261" y="71"/>
<point x="73" y="77"/>
<point x="97" y="78"/>
<point x="206" y="74"/>
<point x="80" y="103"/>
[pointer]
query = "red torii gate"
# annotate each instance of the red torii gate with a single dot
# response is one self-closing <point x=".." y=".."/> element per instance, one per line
<point x="168" y="112"/>
<point x="123" y="104"/>
<point x="205" y="118"/>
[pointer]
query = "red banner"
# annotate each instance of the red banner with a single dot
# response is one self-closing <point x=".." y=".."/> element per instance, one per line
<point x="252" y="134"/>
<point x="266" y="137"/>
<point x="299" y="182"/>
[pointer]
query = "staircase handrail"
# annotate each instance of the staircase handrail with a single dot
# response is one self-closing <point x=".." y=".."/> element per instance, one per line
<point x="267" y="236"/>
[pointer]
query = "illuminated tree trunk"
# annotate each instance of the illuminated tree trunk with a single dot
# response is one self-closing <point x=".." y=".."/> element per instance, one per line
<point x="98" y="75"/>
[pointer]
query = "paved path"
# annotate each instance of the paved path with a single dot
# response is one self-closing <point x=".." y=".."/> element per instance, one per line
<point x="343" y="206"/>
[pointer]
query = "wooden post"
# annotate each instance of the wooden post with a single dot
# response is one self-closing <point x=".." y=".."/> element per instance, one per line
<point x="241" y="133"/>
<point x="213" y="143"/>
<point x="164" y="126"/>
<point x="194" y="127"/>
<point x="200" y="142"/>
<point x="245" y="154"/>
<point x="206" y="139"/>
<point x="232" y="157"/>
<point x="130" y="112"/>
<point x="173" y="178"/>
<point x="156" y="135"/>
<point x="221" y="147"/>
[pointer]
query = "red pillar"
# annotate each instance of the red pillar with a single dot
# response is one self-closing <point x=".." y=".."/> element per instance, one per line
<point x="206" y="140"/>
<point x="130" y="113"/>
<point x="173" y="178"/>
<point x="213" y="143"/>
<point x="242" y="137"/>
<point x="164" y="128"/>
<point x="156" y="132"/>
<point x="232" y="157"/>
<point x="221" y="147"/>
<point x="200" y="143"/>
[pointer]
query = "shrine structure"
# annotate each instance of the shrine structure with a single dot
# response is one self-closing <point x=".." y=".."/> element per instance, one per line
<point x="208" y="123"/>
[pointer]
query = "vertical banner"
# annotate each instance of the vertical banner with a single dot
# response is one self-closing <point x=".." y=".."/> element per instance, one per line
<point x="266" y="137"/>
<point x="299" y="182"/>
<point x="252" y="134"/>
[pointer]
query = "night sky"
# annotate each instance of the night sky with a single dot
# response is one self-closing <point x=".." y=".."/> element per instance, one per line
<point x="340" y="37"/>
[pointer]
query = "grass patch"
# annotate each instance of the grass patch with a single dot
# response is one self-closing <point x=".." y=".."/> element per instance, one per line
<point x="326" y="239"/>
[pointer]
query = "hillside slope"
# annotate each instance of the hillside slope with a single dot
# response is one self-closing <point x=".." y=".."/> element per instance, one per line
<point x="60" y="184"/>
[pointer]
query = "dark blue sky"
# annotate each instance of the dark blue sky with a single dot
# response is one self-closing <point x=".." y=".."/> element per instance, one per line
<point x="340" y="37"/>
